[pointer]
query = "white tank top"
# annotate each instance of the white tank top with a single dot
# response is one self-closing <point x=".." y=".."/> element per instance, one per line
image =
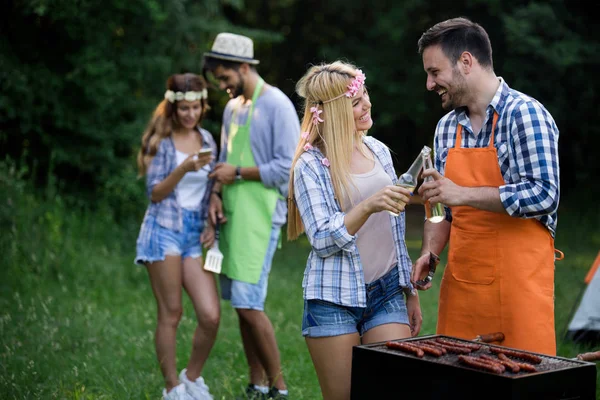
<point x="191" y="188"/>
<point x="374" y="239"/>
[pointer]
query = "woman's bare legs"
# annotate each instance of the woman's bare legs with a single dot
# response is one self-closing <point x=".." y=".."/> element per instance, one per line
<point x="165" y="278"/>
<point x="332" y="358"/>
<point x="201" y="286"/>
<point x="386" y="332"/>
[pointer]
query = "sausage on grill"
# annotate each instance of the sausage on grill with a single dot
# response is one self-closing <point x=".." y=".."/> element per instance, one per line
<point x="406" y="347"/>
<point x="518" y="354"/>
<point x="506" y="363"/>
<point x="436" y="345"/>
<point x="427" y="349"/>
<point x="455" y="349"/>
<point x="471" y="346"/>
<point x="479" y="364"/>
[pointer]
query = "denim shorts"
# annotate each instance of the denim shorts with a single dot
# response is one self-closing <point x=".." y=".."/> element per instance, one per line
<point x="251" y="296"/>
<point x="385" y="305"/>
<point x="155" y="242"/>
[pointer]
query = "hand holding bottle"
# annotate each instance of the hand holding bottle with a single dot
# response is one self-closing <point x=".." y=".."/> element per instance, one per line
<point x="390" y="198"/>
<point x="439" y="189"/>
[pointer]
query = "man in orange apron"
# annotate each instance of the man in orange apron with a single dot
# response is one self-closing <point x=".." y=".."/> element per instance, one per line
<point x="258" y="140"/>
<point x="497" y="156"/>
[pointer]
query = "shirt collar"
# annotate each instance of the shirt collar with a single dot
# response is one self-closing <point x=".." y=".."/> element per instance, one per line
<point x="497" y="104"/>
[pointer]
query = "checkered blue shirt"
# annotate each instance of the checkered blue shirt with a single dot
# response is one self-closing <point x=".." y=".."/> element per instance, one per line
<point x="168" y="211"/>
<point x="526" y="139"/>
<point x="334" y="270"/>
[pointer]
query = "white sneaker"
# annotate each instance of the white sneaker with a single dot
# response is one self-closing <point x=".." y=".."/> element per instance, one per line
<point x="198" y="390"/>
<point x="177" y="393"/>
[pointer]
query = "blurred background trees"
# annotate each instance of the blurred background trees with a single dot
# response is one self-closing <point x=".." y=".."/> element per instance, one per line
<point x="80" y="78"/>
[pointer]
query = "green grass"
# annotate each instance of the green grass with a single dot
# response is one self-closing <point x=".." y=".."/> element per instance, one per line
<point x="77" y="317"/>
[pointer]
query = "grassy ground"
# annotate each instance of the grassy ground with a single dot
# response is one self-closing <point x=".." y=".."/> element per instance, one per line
<point x="77" y="317"/>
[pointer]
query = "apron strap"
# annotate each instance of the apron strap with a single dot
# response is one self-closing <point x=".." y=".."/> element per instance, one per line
<point x="255" y="95"/>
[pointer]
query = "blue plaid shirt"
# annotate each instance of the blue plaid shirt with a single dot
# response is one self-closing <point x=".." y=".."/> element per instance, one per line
<point x="168" y="212"/>
<point x="334" y="271"/>
<point x="526" y="139"/>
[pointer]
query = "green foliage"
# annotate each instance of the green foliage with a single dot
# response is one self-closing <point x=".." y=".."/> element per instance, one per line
<point x="80" y="79"/>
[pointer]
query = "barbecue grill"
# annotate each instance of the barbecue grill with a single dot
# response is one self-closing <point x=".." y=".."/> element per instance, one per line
<point x="379" y="372"/>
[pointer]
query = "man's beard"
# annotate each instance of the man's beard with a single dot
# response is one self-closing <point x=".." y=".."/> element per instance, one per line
<point x="239" y="88"/>
<point x="458" y="93"/>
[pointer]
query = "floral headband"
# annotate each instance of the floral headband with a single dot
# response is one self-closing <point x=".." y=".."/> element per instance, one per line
<point x="357" y="82"/>
<point x="172" y="96"/>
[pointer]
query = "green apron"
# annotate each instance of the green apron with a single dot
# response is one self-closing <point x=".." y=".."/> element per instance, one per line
<point x="248" y="206"/>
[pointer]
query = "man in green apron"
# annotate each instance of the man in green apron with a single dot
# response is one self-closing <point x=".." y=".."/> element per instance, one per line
<point x="258" y="139"/>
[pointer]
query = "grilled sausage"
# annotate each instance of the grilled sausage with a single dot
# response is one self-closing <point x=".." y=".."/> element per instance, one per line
<point x="508" y="362"/>
<point x="435" y="345"/>
<point x="471" y="346"/>
<point x="427" y="349"/>
<point x="455" y="349"/>
<point x="406" y="347"/>
<point x="479" y="364"/>
<point x="526" y="367"/>
<point x="518" y="354"/>
<point x="491" y="361"/>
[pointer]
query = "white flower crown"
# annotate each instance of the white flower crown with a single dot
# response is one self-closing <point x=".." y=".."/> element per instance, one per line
<point x="172" y="96"/>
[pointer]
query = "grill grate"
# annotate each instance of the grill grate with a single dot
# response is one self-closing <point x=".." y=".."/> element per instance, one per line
<point x="548" y="363"/>
<point x="379" y="372"/>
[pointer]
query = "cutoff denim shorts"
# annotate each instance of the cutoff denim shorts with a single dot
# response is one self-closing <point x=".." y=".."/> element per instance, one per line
<point x="385" y="305"/>
<point x="155" y="242"/>
<point x="251" y="296"/>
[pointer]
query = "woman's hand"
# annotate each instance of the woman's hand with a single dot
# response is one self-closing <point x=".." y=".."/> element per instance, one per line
<point x="390" y="198"/>
<point x="195" y="162"/>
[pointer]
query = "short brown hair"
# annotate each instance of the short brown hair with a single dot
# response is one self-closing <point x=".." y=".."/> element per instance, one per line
<point x="457" y="35"/>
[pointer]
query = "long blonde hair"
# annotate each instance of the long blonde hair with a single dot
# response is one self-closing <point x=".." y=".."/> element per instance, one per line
<point x="335" y="137"/>
<point x="164" y="118"/>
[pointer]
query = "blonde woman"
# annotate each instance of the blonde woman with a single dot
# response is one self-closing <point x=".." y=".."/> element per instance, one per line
<point x="356" y="284"/>
<point x="176" y="156"/>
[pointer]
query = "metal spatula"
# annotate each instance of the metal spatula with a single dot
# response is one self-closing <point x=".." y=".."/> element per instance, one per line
<point x="214" y="257"/>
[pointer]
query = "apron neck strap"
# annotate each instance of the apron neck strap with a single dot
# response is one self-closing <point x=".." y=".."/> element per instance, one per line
<point x="459" y="132"/>
<point x="255" y="95"/>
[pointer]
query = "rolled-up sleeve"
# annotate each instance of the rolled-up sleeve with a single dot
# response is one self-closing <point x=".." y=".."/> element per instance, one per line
<point x="534" y="140"/>
<point x="158" y="169"/>
<point x="325" y="227"/>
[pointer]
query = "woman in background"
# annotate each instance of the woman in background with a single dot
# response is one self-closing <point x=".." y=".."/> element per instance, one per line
<point x="175" y="227"/>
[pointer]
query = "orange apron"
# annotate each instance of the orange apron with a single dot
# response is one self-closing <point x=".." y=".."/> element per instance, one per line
<point x="500" y="271"/>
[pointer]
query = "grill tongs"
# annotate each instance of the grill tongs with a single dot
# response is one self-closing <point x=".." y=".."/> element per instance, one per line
<point x="499" y="337"/>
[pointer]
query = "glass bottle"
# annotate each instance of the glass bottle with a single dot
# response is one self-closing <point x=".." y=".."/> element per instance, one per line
<point x="433" y="212"/>
<point x="410" y="177"/>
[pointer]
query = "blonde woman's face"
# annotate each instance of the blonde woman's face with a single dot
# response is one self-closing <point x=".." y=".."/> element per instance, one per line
<point x="188" y="113"/>
<point x="361" y="108"/>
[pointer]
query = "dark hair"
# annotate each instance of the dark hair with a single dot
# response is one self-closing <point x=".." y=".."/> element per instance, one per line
<point x="209" y="64"/>
<point x="457" y="35"/>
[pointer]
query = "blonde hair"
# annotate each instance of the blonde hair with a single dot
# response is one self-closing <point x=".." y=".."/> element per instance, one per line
<point x="164" y="118"/>
<point x="335" y="137"/>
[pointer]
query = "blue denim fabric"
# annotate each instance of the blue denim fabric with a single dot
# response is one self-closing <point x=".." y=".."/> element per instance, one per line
<point x="385" y="305"/>
<point x="155" y="241"/>
<point x="251" y="296"/>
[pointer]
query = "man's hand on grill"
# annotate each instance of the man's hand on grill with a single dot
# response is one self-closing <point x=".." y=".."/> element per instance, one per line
<point x="415" y="318"/>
